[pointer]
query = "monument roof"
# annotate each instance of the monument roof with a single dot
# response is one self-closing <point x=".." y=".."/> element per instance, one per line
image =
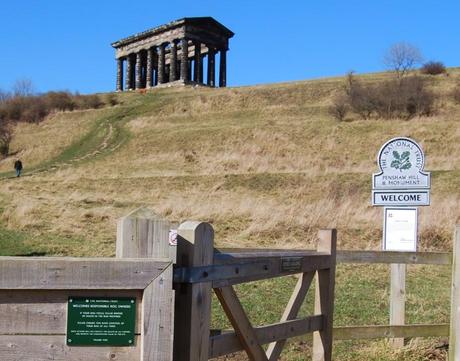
<point x="207" y="20"/>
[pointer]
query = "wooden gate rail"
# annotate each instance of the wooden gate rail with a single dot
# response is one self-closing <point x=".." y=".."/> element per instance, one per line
<point x="201" y="268"/>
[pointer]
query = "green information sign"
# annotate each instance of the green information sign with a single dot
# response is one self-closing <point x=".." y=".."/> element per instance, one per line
<point x="93" y="321"/>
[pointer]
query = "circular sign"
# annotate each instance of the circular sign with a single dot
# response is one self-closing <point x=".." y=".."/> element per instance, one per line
<point x="401" y="155"/>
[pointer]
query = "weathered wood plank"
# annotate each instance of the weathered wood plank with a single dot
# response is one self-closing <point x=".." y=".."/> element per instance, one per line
<point x="45" y="312"/>
<point x="157" y="340"/>
<point x="370" y="332"/>
<point x="454" y="347"/>
<point x="144" y="234"/>
<point x="228" y="342"/>
<point x="292" y="309"/>
<point x="231" y="255"/>
<point x="397" y="300"/>
<point x="324" y="297"/>
<point x="240" y="322"/>
<point x="440" y="258"/>
<point x="45" y="348"/>
<point x="18" y="273"/>
<point x="254" y="269"/>
<point x="192" y="312"/>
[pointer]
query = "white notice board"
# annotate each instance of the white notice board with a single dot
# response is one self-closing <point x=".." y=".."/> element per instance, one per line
<point x="400" y="229"/>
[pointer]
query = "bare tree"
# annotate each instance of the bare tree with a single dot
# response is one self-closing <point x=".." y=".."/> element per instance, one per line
<point x="6" y="135"/>
<point x="402" y="57"/>
<point x="23" y="88"/>
<point x="4" y="96"/>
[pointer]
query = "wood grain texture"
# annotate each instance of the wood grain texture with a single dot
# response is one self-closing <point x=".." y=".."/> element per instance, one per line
<point x="157" y="319"/>
<point x="397" y="300"/>
<point x="454" y="347"/>
<point x="144" y="234"/>
<point x="45" y="348"/>
<point x="232" y="255"/>
<point x="192" y="312"/>
<point x="45" y="312"/>
<point x="228" y="342"/>
<point x="382" y="331"/>
<point x="440" y="258"/>
<point x="18" y="273"/>
<point x="292" y="309"/>
<point x="241" y="324"/>
<point x="324" y="298"/>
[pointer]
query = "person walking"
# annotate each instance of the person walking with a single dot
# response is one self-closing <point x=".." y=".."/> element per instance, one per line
<point x="18" y="167"/>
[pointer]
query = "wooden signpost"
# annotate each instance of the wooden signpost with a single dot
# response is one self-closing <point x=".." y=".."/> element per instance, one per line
<point x="400" y="186"/>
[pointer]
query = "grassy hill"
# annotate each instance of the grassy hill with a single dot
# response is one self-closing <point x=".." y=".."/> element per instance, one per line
<point x="266" y="165"/>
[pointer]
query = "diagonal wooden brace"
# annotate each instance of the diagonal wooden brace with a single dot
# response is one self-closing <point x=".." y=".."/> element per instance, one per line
<point x="291" y="311"/>
<point x="240" y="322"/>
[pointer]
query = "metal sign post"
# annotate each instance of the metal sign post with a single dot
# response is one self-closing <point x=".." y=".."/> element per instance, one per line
<point x="400" y="186"/>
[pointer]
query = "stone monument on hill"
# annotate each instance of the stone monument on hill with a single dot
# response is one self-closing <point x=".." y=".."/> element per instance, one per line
<point x="173" y="53"/>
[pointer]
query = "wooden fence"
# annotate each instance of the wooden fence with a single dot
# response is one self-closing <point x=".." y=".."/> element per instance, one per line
<point x="201" y="269"/>
<point x="34" y="294"/>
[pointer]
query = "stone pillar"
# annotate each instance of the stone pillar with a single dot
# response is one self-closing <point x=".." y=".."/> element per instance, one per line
<point x="119" y="74"/>
<point x="184" y="61"/>
<point x="149" y="68"/>
<point x="173" y="62"/>
<point x="161" y="64"/>
<point x="138" y="70"/>
<point x="223" y="69"/>
<point x="211" y="67"/>
<point x="129" y="72"/>
<point x="198" y="68"/>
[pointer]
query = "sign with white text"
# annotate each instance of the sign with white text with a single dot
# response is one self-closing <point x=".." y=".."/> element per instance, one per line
<point x="400" y="229"/>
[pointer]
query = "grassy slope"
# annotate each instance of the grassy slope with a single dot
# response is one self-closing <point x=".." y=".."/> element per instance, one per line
<point x="266" y="165"/>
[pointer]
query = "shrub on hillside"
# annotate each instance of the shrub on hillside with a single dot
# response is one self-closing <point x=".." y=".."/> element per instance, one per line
<point x="92" y="101"/>
<point x="396" y="98"/>
<point x="6" y="135"/>
<point x="456" y="94"/>
<point x="35" y="108"/>
<point x="111" y="99"/>
<point x="339" y="107"/>
<point x="433" y="68"/>
<point x="61" y="101"/>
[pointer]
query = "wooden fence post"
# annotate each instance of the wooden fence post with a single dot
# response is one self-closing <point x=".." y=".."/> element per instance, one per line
<point x="324" y="297"/>
<point x="195" y="247"/>
<point x="454" y="349"/>
<point x="397" y="300"/>
<point x="144" y="234"/>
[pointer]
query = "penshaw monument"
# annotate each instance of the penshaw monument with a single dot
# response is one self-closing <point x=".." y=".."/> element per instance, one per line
<point x="174" y="53"/>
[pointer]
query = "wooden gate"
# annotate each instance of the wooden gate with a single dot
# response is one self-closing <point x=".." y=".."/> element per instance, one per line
<point x="201" y="268"/>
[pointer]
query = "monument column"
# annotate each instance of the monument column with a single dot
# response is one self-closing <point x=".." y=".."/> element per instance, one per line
<point x="223" y="68"/>
<point x="119" y="74"/>
<point x="211" y="67"/>
<point x="149" y="68"/>
<point x="129" y="72"/>
<point x="184" y="60"/>
<point x="161" y="64"/>
<point x="173" y="63"/>
<point x="138" y="70"/>
<point x="198" y="69"/>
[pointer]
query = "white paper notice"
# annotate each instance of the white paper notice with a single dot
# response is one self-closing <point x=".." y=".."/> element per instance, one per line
<point x="400" y="230"/>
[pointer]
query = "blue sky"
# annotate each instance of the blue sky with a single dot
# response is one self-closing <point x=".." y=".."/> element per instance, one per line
<point x="66" y="44"/>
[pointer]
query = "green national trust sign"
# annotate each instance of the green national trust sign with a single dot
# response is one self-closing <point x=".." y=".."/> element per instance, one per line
<point x="401" y="180"/>
<point x="101" y="321"/>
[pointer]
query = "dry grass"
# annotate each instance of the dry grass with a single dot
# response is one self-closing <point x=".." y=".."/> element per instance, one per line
<point x="267" y="165"/>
